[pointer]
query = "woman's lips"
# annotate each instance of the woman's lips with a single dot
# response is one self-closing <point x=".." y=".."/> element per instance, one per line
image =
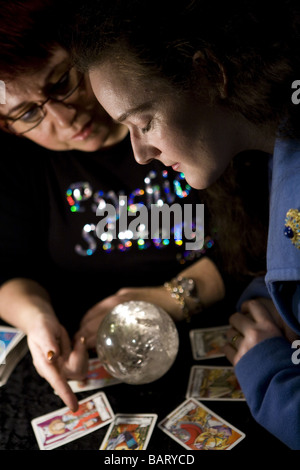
<point x="175" y="166"/>
<point x="84" y="133"/>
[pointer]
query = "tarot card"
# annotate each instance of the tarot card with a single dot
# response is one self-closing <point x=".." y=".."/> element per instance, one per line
<point x="97" y="377"/>
<point x="207" y="343"/>
<point x="9" y="339"/>
<point x="196" y="427"/>
<point x="214" y="383"/>
<point x="12" y="360"/>
<point x="129" y="432"/>
<point x="59" y="427"/>
<point x="13" y="347"/>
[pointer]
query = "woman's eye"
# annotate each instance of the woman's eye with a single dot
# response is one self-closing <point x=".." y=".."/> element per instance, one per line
<point x="31" y="115"/>
<point x="62" y="86"/>
<point x="147" y="128"/>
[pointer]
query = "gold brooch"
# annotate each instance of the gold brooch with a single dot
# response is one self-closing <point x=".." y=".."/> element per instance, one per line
<point x="292" y="227"/>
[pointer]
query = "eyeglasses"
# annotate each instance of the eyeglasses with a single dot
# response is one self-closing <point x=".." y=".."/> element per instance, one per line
<point x="34" y="115"/>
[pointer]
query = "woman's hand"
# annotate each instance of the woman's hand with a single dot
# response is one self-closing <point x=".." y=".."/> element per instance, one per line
<point x="54" y="358"/>
<point x="249" y="327"/>
<point x="209" y="285"/>
<point x="287" y="332"/>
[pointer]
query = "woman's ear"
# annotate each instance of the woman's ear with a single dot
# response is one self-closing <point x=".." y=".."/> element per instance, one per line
<point x="213" y="69"/>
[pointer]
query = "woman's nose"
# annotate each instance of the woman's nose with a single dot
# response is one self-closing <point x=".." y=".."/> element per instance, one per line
<point x="144" y="151"/>
<point x="64" y="114"/>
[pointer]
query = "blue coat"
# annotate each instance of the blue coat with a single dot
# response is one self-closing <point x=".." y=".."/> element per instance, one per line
<point x="269" y="373"/>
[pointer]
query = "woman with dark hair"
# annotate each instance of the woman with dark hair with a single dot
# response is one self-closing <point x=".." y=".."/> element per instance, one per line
<point x="62" y="157"/>
<point x="197" y="83"/>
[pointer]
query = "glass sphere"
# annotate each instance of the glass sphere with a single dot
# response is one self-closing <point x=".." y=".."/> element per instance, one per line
<point x="137" y="342"/>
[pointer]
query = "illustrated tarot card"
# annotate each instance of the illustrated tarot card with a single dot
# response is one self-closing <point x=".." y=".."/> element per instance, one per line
<point x="207" y="343"/>
<point x="97" y="377"/>
<point x="196" y="427"/>
<point x="9" y="339"/>
<point x="12" y="360"/>
<point x="59" y="427"/>
<point x="214" y="383"/>
<point x="129" y="432"/>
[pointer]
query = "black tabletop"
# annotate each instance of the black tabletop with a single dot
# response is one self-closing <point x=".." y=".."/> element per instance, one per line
<point x="26" y="396"/>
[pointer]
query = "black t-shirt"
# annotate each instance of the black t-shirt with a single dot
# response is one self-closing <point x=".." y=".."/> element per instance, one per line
<point x="48" y="222"/>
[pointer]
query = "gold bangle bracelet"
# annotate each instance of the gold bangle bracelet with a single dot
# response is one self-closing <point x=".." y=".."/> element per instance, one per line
<point x="181" y="289"/>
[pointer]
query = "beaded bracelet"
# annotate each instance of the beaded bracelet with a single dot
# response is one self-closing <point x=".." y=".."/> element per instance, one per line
<point x="180" y="289"/>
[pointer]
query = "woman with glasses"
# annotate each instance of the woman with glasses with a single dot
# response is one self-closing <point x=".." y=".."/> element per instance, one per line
<point x="62" y="157"/>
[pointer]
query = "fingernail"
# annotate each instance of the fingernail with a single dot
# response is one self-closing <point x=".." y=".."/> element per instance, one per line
<point x="82" y="339"/>
<point x="50" y="355"/>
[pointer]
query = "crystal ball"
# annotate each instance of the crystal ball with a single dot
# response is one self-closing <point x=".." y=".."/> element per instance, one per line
<point x="137" y="342"/>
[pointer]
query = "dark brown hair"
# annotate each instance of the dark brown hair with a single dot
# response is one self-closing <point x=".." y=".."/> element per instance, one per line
<point x="237" y="214"/>
<point x="255" y="43"/>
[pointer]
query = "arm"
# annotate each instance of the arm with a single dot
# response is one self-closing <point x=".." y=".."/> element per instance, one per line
<point x="270" y="380"/>
<point x="26" y="305"/>
<point x="271" y="384"/>
<point x="209" y="285"/>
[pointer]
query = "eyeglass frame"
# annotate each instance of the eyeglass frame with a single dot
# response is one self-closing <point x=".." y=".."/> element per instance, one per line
<point x="41" y="107"/>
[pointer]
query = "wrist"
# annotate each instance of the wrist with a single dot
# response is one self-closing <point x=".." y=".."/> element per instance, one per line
<point x="22" y="301"/>
<point x="35" y="318"/>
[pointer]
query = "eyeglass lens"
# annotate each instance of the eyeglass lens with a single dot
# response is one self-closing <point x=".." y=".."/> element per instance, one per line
<point x="35" y="113"/>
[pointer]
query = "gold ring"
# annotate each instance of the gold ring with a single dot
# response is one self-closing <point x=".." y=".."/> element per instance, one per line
<point x="234" y="338"/>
